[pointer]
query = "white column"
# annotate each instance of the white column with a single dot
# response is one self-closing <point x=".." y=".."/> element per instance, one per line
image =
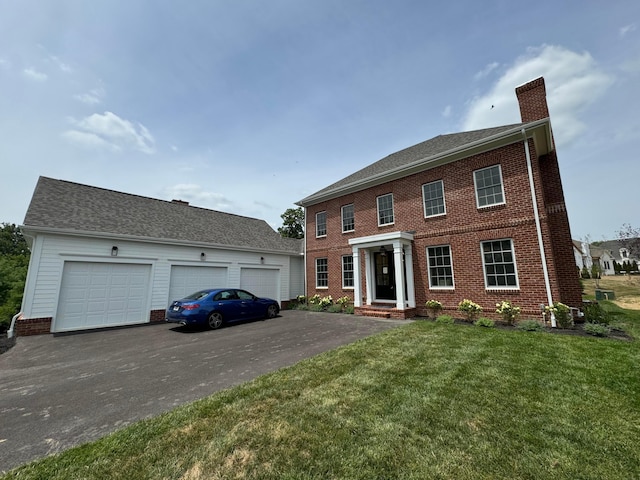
<point x="399" y="271"/>
<point x="411" y="289"/>
<point x="357" y="287"/>
<point x="369" y="275"/>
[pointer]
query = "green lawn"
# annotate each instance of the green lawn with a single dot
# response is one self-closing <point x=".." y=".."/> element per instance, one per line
<point x="421" y="401"/>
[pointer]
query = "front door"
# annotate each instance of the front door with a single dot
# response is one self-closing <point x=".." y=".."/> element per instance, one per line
<point x="385" y="276"/>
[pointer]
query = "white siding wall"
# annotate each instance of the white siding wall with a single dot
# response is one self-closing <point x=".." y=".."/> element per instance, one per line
<point x="296" y="274"/>
<point x="49" y="253"/>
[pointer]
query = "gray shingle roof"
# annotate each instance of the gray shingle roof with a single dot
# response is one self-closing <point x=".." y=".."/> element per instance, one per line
<point x="430" y="148"/>
<point x="68" y="206"/>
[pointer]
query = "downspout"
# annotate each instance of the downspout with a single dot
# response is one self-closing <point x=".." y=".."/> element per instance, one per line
<point x="304" y="252"/>
<point x="536" y="214"/>
<point x="12" y="330"/>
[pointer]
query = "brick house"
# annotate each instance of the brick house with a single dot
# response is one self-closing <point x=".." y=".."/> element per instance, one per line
<point x="478" y="215"/>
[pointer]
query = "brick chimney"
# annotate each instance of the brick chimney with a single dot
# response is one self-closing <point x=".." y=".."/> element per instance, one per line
<point x="532" y="98"/>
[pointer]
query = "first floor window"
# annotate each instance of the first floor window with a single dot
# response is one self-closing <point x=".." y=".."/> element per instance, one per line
<point x="440" y="267"/>
<point x="322" y="272"/>
<point x="347" y="271"/>
<point x="385" y="209"/>
<point x="488" y="182"/>
<point x="433" y="197"/>
<point x="499" y="264"/>
<point x="348" y="219"/>
<point x="321" y="224"/>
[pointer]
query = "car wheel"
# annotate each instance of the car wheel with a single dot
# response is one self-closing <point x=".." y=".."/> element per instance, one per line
<point x="272" y="311"/>
<point x="215" y="320"/>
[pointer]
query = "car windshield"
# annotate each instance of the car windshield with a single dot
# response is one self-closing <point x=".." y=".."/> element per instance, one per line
<point x="198" y="295"/>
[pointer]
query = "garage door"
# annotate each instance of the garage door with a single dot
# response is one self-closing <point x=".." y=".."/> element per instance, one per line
<point x="96" y="295"/>
<point x="262" y="282"/>
<point x="187" y="280"/>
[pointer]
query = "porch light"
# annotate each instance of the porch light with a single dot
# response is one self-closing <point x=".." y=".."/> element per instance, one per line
<point x="203" y="256"/>
<point x="383" y="251"/>
<point x="114" y="251"/>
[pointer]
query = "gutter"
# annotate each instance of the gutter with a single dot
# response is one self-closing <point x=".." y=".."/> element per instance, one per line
<point x="536" y="214"/>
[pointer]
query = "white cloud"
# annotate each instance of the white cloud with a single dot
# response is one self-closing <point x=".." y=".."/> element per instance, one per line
<point x="117" y="133"/>
<point x="486" y="71"/>
<point x="5" y="64"/>
<point x="33" y="74"/>
<point x="60" y="64"/>
<point x="573" y="81"/>
<point x="627" y="28"/>
<point x="446" y="113"/>
<point x="196" y="195"/>
<point x="93" y="97"/>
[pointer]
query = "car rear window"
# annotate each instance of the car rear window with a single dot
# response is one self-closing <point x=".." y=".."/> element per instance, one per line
<point x="197" y="296"/>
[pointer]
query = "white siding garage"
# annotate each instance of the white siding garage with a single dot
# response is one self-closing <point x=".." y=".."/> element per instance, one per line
<point x="186" y="280"/>
<point x="94" y="295"/>
<point x="263" y="282"/>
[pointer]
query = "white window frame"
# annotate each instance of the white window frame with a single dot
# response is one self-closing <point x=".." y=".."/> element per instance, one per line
<point x="424" y="200"/>
<point x="344" y="286"/>
<point x="392" y="209"/>
<point x="326" y="272"/>
<point x="475" y="186"/>
<point x="515" y="266"/>
<point x="453" y="281"/>
<point x="353" y="218"/>
<point x="318" y="234"/>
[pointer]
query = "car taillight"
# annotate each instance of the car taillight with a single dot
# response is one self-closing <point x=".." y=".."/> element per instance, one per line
<point x="190" y="306"/>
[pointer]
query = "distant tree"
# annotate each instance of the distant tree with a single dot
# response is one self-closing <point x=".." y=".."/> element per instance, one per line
<point x="630" y="239"/>
<point x="14" y="262"/>
<point x="595" y="273"/>
<point x="12" y="241"/>
<point x="292" y="223"/>
<point x="585" y="272"/>
<point x="626" y="266"/>
<point x="616" y="267"/>
<point x="634" y="266"/>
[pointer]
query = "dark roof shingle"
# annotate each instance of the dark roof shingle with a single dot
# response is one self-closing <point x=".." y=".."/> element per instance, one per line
<point x="69" y="206"/>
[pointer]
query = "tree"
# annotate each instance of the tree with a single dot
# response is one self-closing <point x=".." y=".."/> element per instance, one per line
<point x="14" y="262"/>
<point x="292" y="223"/>
<point x="630" y="239"/>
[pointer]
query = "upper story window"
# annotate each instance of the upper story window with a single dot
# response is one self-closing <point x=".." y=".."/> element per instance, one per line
<point x="440" y="267"/>
<point x="433" y="197"/>
<point x="385" y="209"/>
<point x="624" y="253"/>
<point x="348" y="219"/>
<point x="499" y="264"/>
<point x="488" y="183"/>
<point x="321" y="224"/>
<point x="322" y="273"/>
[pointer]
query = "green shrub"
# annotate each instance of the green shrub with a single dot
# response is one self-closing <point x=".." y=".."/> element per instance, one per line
<point x="445" y="319"/>
<point x="593" y="313"/>
<point x="508" y="311"/>
<point x="585" y="273"/>
<point x="597" y="329"/>
<point x="434" y="307"/>
<point x="314" y="307"/>
<point x="484" y="322"/>
<point x="530" y="326"/>
<point x="349" y="309"/>
<point x="470" y="309"/>
<point x="334" y="308"/>
<point x="562" y="314"/>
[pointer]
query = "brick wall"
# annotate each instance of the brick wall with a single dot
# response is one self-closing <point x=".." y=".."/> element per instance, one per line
<point x="33" y="326"/>
<point x="156" y="316"/>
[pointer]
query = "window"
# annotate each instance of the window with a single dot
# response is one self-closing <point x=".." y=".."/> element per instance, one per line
<point x="385" y="210"/>
<point x="499" y="264"/>
<point x="440" y="267"/>
<point x="322" y="272"/>
<point x="347" y="271"/>
<point x="348" y="219"/>
<point x="433" y="197"/>
<point x="488" y="182"/>
<point x="321" y="224"/>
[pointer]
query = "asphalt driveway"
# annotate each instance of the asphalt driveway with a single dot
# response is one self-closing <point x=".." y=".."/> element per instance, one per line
<point x="62" y="391"/>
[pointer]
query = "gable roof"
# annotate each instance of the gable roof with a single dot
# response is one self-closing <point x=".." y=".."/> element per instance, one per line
<point x="433" y="152"/>
<point x="613" y="248"/>
<point x="59" y="206"/>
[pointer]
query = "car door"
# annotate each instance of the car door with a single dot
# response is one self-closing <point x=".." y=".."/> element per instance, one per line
<point x="228" y="303"/>
<point x="251" y="308"/>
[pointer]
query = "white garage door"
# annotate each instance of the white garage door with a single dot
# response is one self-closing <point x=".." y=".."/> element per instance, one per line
<point x="187" y="280"/>
<point x="262" y="282"/>
<point x="96" y="295"/>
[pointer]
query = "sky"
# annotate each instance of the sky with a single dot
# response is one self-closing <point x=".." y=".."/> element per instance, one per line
<point x="248" y="106"/>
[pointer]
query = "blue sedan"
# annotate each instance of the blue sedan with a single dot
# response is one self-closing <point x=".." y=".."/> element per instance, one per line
<point x="217" y="306"/>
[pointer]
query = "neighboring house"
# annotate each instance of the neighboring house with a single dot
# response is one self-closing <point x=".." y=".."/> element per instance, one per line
<point x="614" y="250"/>
<point x="603" y="258"/>
<point x="579" y="255"/>
<point x="101" y="258"/>
<point x="477" y="215"/>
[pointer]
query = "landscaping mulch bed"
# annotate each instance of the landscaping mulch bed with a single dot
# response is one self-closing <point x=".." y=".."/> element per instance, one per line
<point x="6" y="343"/>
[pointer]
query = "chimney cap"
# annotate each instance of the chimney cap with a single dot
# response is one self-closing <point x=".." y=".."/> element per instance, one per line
<point x="531" y="84"/>
<point x="180" y="202"/>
